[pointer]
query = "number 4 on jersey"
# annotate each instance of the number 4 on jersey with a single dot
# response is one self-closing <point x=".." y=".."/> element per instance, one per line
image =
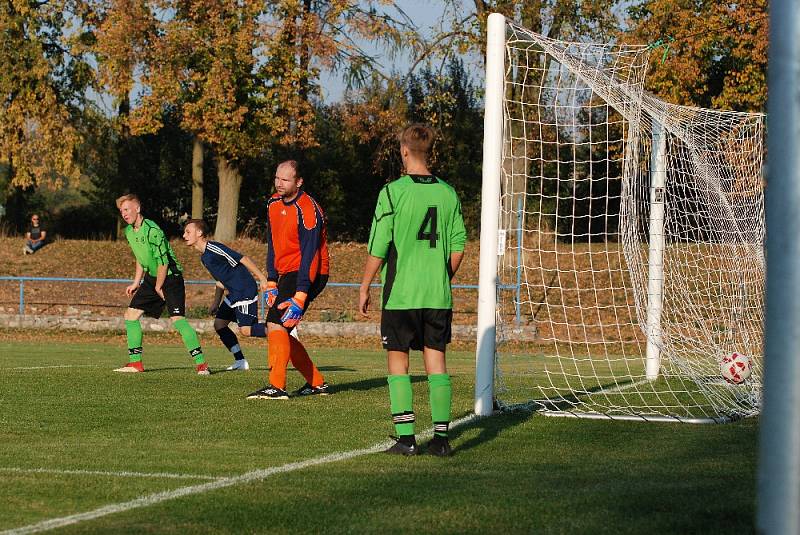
<point x="427" y="230"/>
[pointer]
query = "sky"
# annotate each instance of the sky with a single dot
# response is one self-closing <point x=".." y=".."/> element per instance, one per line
<point x="426" y="15"/>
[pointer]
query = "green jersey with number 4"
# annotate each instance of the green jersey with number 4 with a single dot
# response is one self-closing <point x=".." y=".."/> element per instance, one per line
<point x="417" y="224"/>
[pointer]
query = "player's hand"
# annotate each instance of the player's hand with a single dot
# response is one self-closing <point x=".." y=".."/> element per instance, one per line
<point x="130" y="290"/>
<point x="294" y="311"/>
<point x="363" y="302"/>
<point x="270" y="294"/>
<point x="160" y="293"/>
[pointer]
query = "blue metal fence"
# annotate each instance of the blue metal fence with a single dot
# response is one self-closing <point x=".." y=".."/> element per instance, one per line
<point x="22" y="281"/>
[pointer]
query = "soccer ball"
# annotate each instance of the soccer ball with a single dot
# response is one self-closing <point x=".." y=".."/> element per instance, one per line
<point x="735" y="368"/>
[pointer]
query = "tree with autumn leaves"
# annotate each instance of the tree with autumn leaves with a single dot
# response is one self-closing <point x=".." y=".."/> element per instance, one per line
<point x="243" y="74"/>
<point x="710" y="54"/>
<point x="242" y="79"/>
<point x="41" y="82"/>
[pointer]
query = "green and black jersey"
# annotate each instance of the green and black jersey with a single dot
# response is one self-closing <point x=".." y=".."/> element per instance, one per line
<point x="417" y="224"/>
<point x="152" y="249"/>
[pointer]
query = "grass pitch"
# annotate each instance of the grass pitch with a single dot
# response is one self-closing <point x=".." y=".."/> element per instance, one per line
<point x="93" y="451"/>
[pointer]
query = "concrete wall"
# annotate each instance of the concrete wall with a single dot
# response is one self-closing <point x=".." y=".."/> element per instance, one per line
<point x="100" y="323"/>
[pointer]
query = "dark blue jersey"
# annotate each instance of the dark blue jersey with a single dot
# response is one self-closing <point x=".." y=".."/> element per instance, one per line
<point x="224" y="264"/>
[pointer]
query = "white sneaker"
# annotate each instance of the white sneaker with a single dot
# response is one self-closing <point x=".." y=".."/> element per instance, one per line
<point x="239" y="365"/>
<point x="27" y="250"/>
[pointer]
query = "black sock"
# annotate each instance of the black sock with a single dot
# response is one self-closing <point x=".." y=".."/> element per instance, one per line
<point x="228" y="338"/>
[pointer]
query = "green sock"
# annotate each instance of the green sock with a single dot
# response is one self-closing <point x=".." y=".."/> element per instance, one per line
<point x="441" y="395"/>
<point x="134" y="332"/>
<point x="190" y="340"/>
<point x="400" y="398"/>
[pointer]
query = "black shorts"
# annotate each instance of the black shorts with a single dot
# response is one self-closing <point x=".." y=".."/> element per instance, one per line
<point x="245" y="314"/>
<point x="148" y="300"/>
<point x="287" y="287"/>
<point x="416" y="328"/>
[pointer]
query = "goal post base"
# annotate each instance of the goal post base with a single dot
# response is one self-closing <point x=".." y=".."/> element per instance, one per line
<point x="638" y="418"/>
<point x="539" y="407"/>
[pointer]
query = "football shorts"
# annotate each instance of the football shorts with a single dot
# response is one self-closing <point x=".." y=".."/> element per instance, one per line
<point x="147" y="300"/>
<point x="245" y="314"/>
<point x="416" y="328"/>
<point x="287" y="287"/>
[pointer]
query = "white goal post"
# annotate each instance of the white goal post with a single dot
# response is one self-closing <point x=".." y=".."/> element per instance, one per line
<point x="622" y="239"/>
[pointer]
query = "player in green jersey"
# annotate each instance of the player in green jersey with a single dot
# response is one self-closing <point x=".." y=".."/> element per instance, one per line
<point x="158" y="281"/>
<point x="417" y="241"/>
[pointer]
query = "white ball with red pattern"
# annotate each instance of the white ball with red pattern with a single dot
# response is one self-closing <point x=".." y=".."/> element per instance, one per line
<point x="735" y="368"/>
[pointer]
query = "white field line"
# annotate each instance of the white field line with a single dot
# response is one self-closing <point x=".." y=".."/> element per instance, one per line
<point x="255" y="475"/>
<point x="49" y="367"/>
<point x="157" y="475"/>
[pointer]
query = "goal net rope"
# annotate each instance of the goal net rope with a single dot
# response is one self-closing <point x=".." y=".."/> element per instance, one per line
<point x="631" y="243"/>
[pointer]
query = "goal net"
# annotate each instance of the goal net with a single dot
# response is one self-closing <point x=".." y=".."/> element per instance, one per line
<point x="630" y="254"/>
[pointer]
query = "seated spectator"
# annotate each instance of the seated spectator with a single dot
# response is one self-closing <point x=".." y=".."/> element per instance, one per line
<point x="34" y="238"/>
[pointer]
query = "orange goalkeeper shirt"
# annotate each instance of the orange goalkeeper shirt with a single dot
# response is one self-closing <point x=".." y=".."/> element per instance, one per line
<point x="296" y="239"/>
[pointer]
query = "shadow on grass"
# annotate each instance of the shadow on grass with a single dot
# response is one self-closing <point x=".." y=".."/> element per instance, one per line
<point x="489" y="427"/>
<point x="509" y="416"/>
<point x="151" y="369"/>
<point x="289" y="369"/>
<point x="566" y="402"/>
<point x="369" y="384"/>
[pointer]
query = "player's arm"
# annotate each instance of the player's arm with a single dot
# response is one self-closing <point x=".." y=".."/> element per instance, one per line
<point x="458" y="239"/>
<point x="272" y="272"/>
<point x="137" y="279"/>
<point x="309" y="234"/>
<point x="271" y="292"/>
<point x="455" y="262"/>
<point x="219" y="291"/>
<point x="372" y="266"/>
<point x="161" y="276"/>
<point x="28" y="236"/>
<point x="42" y="236"/>
<point x="158" y="248"/>
<point x="251" y="266"/>
<point x="380" y="237"/>
<point x="269" y="288"/>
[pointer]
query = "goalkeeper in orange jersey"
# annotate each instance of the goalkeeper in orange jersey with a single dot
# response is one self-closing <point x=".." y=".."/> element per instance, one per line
<point x="297" y="271"/>
<point x="417" y="238"/>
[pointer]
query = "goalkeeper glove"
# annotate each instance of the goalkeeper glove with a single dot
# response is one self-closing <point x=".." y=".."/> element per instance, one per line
<point x="294" y="310"/>
<point x="270" y="294"/>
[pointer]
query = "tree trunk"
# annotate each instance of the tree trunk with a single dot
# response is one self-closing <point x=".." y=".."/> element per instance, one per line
<point x="123" y="156"/>
<point x="197" y="179"/>
<point x="230" y="181"/>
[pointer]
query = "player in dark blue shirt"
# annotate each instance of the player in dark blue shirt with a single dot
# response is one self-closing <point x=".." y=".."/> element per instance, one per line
<point x="236" y="276"/>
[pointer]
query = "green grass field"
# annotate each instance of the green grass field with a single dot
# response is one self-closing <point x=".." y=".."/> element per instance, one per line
<point x="86" y="450"/>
